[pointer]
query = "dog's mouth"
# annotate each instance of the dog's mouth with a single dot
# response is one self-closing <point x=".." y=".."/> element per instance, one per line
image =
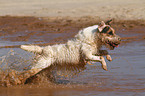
<point x="112" y="44"/>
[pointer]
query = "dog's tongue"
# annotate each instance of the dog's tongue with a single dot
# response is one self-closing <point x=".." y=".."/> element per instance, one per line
<point x="117" y="46"/>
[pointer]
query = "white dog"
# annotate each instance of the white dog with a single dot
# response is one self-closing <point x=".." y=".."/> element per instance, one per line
<point x="85" y="46"/>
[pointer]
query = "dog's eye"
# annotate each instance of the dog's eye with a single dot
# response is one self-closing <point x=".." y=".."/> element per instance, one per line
<point x="105" y="29"/>
<point x="110" y="33"/>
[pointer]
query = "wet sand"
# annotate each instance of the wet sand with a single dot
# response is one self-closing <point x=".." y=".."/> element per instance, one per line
<point x="120" y="9"/>
<point x="126" y="71"/>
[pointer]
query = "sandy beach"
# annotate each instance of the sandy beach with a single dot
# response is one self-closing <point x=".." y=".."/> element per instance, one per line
<point x="119" y="9"/>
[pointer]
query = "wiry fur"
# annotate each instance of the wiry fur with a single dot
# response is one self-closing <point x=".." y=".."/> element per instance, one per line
<point x="84" y="47"/>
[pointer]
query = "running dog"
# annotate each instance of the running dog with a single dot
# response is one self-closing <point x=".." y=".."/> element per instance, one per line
<point x="85" y="46"/>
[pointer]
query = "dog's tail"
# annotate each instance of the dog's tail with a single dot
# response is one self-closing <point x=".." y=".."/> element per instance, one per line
<point x="32" y="48"/>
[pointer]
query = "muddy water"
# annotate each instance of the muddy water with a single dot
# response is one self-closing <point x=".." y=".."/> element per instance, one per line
<point x="124" y="78"/>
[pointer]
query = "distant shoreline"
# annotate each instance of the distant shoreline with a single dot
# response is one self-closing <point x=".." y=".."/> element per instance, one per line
<point x="103" y="9"/>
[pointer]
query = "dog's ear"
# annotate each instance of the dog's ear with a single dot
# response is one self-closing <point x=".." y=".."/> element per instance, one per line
<point x="102" y="23"/>
<point x="108" y="22"/>
<point x="101" y="26"/>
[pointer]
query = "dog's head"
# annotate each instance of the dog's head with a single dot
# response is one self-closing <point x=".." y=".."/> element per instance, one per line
<point x="108" y="36"/>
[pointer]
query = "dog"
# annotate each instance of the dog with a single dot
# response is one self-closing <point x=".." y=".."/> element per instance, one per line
<point x="85" y="46"/>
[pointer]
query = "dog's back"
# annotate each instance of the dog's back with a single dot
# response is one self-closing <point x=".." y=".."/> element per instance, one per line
<point x="64" y="53"/>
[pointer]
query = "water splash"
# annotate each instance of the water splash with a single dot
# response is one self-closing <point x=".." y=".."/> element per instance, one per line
<point x="16" y="69"/>
<point x="13" y="60"/>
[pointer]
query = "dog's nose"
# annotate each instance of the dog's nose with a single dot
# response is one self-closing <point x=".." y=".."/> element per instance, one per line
<point x="119" y="39"/>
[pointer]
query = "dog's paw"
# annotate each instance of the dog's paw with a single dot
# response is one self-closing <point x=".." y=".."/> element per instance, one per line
<point x="108" y="57"/>
<point x="105" y="68"/>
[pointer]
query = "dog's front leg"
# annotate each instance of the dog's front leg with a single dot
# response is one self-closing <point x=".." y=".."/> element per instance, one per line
<point x="104" y="65"/>
<point x="97" y="59"/>
<point x="90" y="57"/>
<point x="105" y="53"/>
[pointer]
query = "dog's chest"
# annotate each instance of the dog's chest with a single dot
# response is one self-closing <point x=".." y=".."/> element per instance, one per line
<point x="94" y="49"/>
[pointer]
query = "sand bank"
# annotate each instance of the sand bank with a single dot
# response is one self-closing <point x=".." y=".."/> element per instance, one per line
<point x="118" y="9"/>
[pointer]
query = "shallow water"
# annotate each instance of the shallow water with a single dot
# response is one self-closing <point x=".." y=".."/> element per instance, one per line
<point x="124" y="78"/>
